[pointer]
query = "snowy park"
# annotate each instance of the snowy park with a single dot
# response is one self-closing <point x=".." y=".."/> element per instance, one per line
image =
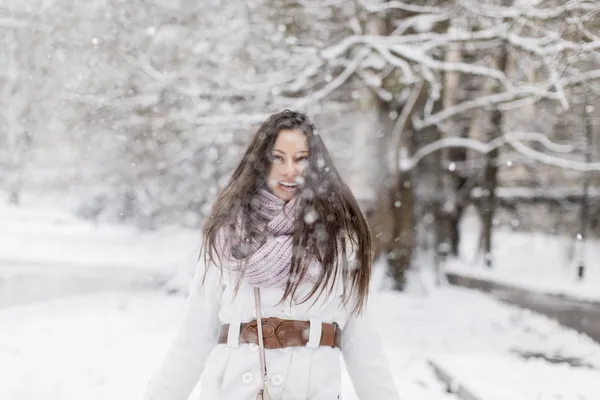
<point x="101" y="331"/>
<point x="457" y="141"/>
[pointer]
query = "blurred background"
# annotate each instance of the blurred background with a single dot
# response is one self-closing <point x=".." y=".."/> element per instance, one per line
<point x="469" y="130"/>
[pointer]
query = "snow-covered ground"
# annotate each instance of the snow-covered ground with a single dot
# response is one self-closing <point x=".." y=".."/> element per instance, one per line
<point x="533" y="379"/>
<point x="41" y="235"/>
<point x="107" y="344"/>
<point x="45" y="252"/>
<point x="538" y="262"/>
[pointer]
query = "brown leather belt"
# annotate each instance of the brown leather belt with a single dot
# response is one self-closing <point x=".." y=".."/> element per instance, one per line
<point x="280" y="333"/>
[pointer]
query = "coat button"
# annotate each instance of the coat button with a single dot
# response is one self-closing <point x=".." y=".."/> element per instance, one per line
<point x="253" y="346"/>
<point x="247" y="378"/>
<point x="276" y="380"/>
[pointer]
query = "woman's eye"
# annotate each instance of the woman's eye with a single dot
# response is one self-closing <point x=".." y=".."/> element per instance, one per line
<point x="277" y="158"/>
<point x="301" y="159"/>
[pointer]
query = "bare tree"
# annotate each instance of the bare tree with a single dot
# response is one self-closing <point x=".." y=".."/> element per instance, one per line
<point x="536" y="36"/>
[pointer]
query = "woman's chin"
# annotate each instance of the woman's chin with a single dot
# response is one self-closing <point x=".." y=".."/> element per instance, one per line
<point x="282" y="193"/>
<point x="285" y="196"/>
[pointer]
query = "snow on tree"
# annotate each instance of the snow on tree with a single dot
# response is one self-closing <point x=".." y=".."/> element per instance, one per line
<point x="155" y="100"/>
<point x="511" y="55"/>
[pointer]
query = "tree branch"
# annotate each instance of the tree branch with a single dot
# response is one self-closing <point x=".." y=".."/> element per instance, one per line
<point x="513" y="140"/>
<point x="398" y="5"/>
<point x="335" y="83"/>
<point x="484" y="101"/>
<point x="513" y="12"/>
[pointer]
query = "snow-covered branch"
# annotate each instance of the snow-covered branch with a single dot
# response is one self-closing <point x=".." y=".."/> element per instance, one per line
<point x="399" y="53"/>
<point x="480" y="102"/>
<point x="581" y="77"/>
<point x="421" y="39"/>
<point x="519" y="103"/>
<point x="373" y="81"/>
<point x="587" y="33"/>
<point x="491" y="11"/>
<point x="402" y="123"/>
<point x="539" y="193"/>
<point x="372" y="7"/>
<point x="335" y="83"/>
<point x="321" y="3"/>
<point x="512" y="139"/>
<point x="552" y="160"/>
<point x="416" y="55"/>
<point x="538" y="47"/>
<point x="337" y="50"/>
<point x="419" y="21"/>
<point x="431" y="39"/>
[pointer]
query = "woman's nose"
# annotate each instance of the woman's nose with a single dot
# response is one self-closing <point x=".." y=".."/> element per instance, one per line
<point x="289" y="169"/>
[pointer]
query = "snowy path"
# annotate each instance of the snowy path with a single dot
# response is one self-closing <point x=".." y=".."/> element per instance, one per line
<point x="106" y="346"/>
<point x="581" y="315"/>
<point x="479" y="378"/>
<point x="537" y="262"/>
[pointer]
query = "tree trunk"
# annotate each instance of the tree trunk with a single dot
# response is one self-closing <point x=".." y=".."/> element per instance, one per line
<point x="454" y="222"/>
<point x="449" y="209"/>
<point x="392" y="220"/>
<point x="401" y="248"/>
<point x="490" y="174"/>
<point x="585" y="203"/>
<point x="488" y="205"/>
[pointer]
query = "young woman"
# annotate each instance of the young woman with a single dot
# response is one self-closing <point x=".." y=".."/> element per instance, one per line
<point x="286" y="248"/>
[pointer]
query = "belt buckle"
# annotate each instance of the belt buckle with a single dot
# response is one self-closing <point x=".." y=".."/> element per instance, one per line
<point x="270" y="327"/>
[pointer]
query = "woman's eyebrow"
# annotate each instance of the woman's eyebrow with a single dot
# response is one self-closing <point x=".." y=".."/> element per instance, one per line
<point x="283" y="152"/>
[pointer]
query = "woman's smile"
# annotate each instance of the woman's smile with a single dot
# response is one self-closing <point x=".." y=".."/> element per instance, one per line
<point x="289" y="186"/>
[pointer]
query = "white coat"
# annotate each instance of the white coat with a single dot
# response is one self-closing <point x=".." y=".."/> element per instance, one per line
<point x="232" y="371"/>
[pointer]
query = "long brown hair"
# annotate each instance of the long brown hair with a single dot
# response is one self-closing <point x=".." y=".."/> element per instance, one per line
<point x="329" y="217"/>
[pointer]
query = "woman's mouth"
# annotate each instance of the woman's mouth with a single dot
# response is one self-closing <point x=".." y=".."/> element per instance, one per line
<point x="288" y="186"/>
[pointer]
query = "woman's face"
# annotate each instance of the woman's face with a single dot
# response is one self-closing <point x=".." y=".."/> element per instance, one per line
<point x="288" y="159"/>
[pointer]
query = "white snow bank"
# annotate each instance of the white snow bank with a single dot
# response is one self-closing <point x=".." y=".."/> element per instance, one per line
<point x="47" y="253"/>
<point x="91" y="347"/>
<point x="502" y="376"/>
<point x="533" y="261"/>
<point x="29" y="283"/>
<point x="46" y="236"/>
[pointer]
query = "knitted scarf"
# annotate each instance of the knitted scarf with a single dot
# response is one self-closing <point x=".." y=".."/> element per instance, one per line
<point x="266" y="266"/>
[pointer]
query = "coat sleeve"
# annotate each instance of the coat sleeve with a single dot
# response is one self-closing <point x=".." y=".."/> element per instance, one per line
<point x="365" y="360"/>
<point x="183" y="364"/>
